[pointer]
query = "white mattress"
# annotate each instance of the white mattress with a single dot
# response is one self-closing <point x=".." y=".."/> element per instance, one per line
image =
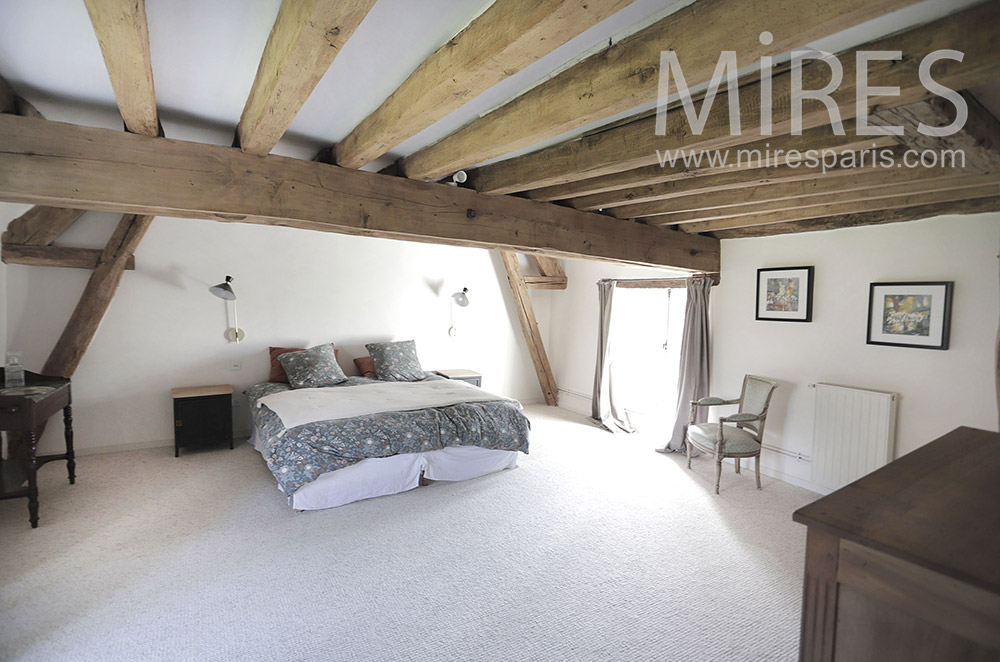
<point x="379" y="476"/>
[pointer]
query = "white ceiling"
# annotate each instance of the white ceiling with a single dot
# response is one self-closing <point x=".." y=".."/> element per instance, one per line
<point x="205" y="55"/>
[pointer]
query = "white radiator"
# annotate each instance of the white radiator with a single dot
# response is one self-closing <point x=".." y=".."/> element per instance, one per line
<point x="853" y="434"/>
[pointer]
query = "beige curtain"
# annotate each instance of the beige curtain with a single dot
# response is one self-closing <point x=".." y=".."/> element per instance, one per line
<point x="695" y="366"/>
<point x="603" y="405"/>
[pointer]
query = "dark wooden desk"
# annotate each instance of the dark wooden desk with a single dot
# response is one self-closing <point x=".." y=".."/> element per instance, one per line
<point x="904" y="564"/>
<point x="24" y="411"/>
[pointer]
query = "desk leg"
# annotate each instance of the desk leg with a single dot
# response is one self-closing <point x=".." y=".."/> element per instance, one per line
<point x="31" y="446"/>
<point x="70" y="457"/>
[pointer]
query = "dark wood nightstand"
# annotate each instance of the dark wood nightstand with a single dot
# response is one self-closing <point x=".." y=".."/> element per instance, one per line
<point x="469" y="376"/>
<point x="203" y="416"/>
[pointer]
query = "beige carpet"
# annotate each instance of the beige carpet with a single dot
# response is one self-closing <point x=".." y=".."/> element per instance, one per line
<point x="595" y="548"/>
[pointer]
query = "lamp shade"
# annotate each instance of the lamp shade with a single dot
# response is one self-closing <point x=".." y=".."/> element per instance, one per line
<point x="461" y="298"/>
<point x="224" y="290"/>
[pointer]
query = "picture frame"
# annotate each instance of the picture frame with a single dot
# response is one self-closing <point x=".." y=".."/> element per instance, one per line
<point x="910" y="314"/>
<point x="785" y="294"/>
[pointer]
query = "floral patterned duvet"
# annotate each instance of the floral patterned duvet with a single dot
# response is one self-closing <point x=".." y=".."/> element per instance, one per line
<point x="299" y="455"/>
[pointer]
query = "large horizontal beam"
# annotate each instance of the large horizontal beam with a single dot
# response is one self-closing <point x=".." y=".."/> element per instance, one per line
<point x="899" y="215"/>
<point x="64" y="165"/>
<point x="55" y="256"/>
<point x="624" y="76"/>
<point x="975" y="189"/>
<point x="637" y="144"/>
<point x="306" y="37"/>
<point x="744" y="158"/>
<point x="501" y="41"/>
<point x="120" y="26"/>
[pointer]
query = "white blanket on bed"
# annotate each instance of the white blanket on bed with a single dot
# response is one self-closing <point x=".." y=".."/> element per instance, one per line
<point x="309" y="405"/>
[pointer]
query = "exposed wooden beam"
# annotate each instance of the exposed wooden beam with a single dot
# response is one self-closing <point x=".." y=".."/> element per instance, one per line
<point x="55" y="256"/>
<point x="8" y="100"/>
<point x="635" y="144"/>
<point x="40" y="225"/>
<point x="820" y="138"/>
<point x="978" y="140"/>
<point x="863" y="184"/>
<point x="529" y="326"/>
<point x="306" y="37"/>
<point x="624" y="75"/>
<point x="504" y="39"/>
<point x="120" y="26"/>
<point x="548" y="266"/>
<point x="39" y="163"/>
<point x="849" y="207"/>
<point x="745" y="179"/>
<point x="96" y="297"/>
<point x="969" y="206"/>
<point x="545" y="282"/>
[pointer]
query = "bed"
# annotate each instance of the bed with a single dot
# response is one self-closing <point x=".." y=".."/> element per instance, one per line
<point x="325" y="453"/>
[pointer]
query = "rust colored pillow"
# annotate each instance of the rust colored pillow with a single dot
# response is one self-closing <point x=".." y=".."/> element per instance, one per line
<point x="277" y="372"/>
<point x="365" y="366"/>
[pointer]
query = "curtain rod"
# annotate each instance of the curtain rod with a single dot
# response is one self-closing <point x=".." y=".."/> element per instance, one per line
<point x="657" y="283"/>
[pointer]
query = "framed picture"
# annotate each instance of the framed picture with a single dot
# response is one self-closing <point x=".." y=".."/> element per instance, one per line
<point x="784" y="294"/>
<point x="910" y="314"/>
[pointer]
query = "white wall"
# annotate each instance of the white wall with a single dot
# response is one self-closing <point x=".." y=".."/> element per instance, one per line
<point x="295" y="287"/>
<point x="939" y="390"/>
<point x="572" y="347"/>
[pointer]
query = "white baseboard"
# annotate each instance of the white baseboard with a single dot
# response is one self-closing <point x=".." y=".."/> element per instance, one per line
<point x="138" y="446"/>
<point x="578" y="403"/>
<point x="794" y="480"/>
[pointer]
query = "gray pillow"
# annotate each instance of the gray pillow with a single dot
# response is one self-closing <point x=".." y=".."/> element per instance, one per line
<point x="396" y="361"/>
<point x="313" y="367"/>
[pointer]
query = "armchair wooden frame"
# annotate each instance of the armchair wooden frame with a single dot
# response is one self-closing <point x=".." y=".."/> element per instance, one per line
<point x="750" y="421"/>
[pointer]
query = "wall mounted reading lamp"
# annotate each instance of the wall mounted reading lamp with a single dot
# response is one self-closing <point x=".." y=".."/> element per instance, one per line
<point x="225" y="291"/>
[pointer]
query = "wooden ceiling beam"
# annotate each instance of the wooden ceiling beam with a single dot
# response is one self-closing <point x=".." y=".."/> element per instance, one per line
<point x="39" y="225"/>
<point x="120" y="26"/>
<point x="617" y="185"/>
<point x="786" y="194"/>
<point x="914" y="199"/>
<point x="55" y="256"/>
<point x="636" y="144"/>
<point x="39" y="163"/>
<point x="858" y="219"/>
<point x="306" y="37"/>
<point x="729" y="179"/>
<point x="508" y="36"/>
<point x="624" y="75"/>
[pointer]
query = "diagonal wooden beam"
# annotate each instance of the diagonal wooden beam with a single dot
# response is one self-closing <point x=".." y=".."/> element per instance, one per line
<point x="504" y="39"/>
<point x="96" y="297"/>
<point x="851" y="220"/>
<point x="120" y="26"/>
<point x="8" y="100"/>
<point x="637" y="144"/>
<point x="40" y="225"/>
<point x="306" y="37"/>
<point x="624" y="75"/>
<point x="863" y="182"/>
<point x="529" y="327"/>
<point x="819" y="139"/>
<point x="958" y="195"/>
<point x="39" y="163"/>
<point x="55" y="256"/>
